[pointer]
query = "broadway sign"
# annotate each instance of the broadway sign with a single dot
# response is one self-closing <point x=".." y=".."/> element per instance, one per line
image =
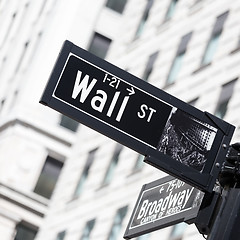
<point x="175" y="136"/>
<point x="162" y="203"/>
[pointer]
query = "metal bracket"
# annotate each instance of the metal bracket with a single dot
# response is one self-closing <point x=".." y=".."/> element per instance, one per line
<point x="230" y="172"/>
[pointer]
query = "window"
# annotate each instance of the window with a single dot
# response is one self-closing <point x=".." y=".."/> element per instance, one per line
<point x="225" y="96"/>
<point x="211" y="49"/>
<point x="144" y="19"/>
<point x="177" y="231"/>
<point x="238" y="42"/>
<point x="149" y="66"/>
<point x="68" y="123"/>
<point x="116" y="5"/>
<point x="42" y="7"/>
<point x="171" y="9"/>
<point x="3" y="65"/>
<point x="237" y="47"/>
<point x="196" y="2"/>
<point x="9" y="29"/>
<point x="85" y="173"/>
<point x="48" y="177"/>
<point x="143" y="237"/>
<point x="113" y="164"/>
<point x="35" y="48"/>
<point x="25" y="231"/>
<point x="214" y="39"/>
<point x="139" y="163"/>
<point x="22" y="57"/>
<point x="24" y="14"/>
<point x="99" y="45"/>
<point x="61" y="235"/>
<point x="117" y="223"/>
<point x="193" y="102"/>
<point x="87" y="230"/>
<point x="177" y="62"/>
<point x="2" y="104"/>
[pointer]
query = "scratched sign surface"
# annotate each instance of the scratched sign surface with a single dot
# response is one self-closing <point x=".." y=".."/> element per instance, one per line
<point x="162" y="203"/>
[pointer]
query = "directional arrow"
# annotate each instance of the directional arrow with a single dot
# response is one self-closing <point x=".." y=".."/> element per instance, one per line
<point x="131" y="91"/>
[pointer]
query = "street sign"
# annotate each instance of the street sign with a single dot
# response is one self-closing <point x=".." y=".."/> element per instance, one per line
<point x="174" y="136"/>
<point x="163" y="203"/>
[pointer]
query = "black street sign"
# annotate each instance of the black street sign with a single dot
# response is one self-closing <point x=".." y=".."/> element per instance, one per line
<point x="163" y="203"/>
<point x="174" y="136"/>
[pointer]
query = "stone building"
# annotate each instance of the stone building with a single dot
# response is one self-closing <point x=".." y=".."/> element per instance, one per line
<point x="61" y="180"/>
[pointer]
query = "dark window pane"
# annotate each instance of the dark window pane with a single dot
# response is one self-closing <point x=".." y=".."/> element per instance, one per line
<point x="69" y="123"/>
<point x="99" y="45"/>
<point x="88" y="229"/>
<point x="175" y="68"/>
<point x="139" y="162"/>
<point x="219" y="23"/>
<point x="117" y="223"/>
<point x="171" y="9"/>
<point x="149" y="66"/>
<point x="116" y="5"/>
<point x="85" y="173"/>
<point x="211" y="49"/>
<point x="24" y="232"/>
<point x="221" y="109"/>
<point x="225" y="96"/>
<point x="143" y="237"/>
<point x="61" y="235"/>
<point x="177" y="231"/>
<point x="113" y="164"/>
<point x="214" y="39"/>
<point x="48" y="177"/>
<point x="184" y="43"/>
<point x="177" y="62"/>
<point x="144" y="19"/>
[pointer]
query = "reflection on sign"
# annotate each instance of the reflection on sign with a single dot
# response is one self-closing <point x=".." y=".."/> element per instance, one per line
<point x="187" y="139"/>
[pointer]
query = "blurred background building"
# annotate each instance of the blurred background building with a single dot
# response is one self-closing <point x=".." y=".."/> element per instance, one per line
<point x="60" y="180"/>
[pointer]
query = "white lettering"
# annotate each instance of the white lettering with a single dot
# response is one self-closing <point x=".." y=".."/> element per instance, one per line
<point x="165" y="202"/>
<point x="173" y="200"/>
<point x="82" y="87"/>
<point x="142" y="210"/>
<point x="143" y="108"/>
<point x="152" y="208"/>
<point x="188" y="196"/>
<point x="98" y="102"/>
<point x="122" y="108"/>
<point x="151" y="113"/>
<point x="113" y="103"/>
<point x="181" y="198"/>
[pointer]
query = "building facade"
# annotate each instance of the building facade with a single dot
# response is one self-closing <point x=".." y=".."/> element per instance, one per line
<point x="61" y="180"/>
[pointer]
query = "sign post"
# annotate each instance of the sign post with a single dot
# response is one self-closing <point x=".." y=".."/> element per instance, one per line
<point x="176" y="137"/>
<point x="162" y="203"/>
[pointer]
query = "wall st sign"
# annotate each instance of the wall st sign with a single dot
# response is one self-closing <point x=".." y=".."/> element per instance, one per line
<point x="174" y="136"/>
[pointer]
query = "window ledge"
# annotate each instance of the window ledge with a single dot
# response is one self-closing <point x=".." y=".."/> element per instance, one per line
<point x="235" y="50"/>
<point x="25" y="200"/>
<point x="134" y="172"/>
<point x="103" y="186"/>
<point x="168" y="85"/>
<point x="202" y="67"/>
